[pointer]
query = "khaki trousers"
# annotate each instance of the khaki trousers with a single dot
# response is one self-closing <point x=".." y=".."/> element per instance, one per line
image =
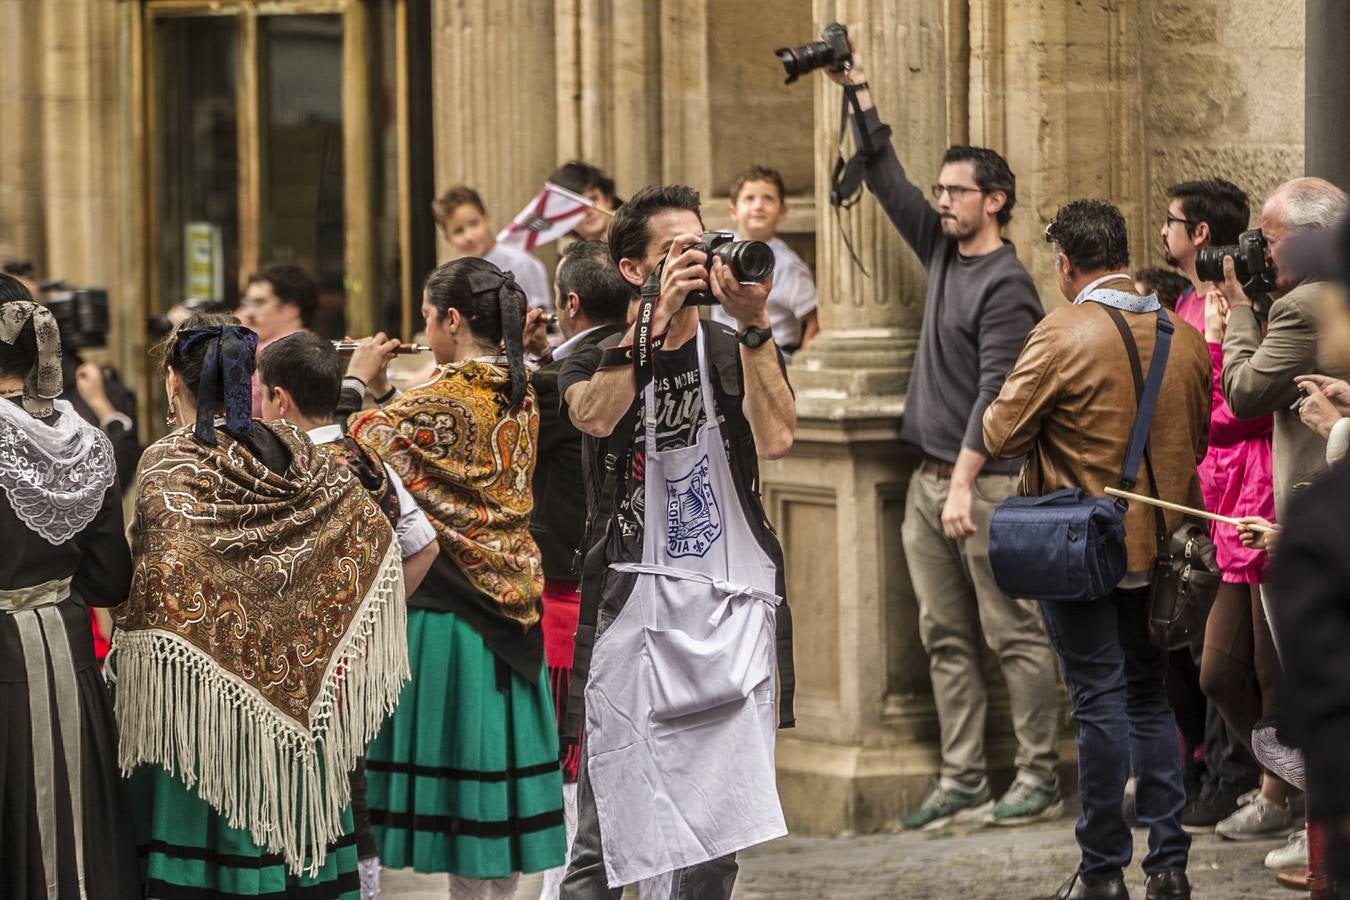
<point x="960" y="606"/>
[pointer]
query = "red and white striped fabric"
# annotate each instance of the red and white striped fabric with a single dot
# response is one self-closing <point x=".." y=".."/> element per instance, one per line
<point x="551" y="214"/>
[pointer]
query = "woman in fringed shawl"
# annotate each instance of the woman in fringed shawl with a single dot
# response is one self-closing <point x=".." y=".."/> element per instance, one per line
<point x="465" y="777"/>
<point x="264" y="643"/>
<point x="62" y="806"/>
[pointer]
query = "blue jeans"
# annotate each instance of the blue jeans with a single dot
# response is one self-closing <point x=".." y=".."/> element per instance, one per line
<point x="1117" y="681"/>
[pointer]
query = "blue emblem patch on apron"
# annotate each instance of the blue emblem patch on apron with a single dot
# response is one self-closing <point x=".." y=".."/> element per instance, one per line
<point x="693" y="521"/>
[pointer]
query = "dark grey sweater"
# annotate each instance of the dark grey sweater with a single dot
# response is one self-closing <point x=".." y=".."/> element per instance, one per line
<point x="978" y="311"/>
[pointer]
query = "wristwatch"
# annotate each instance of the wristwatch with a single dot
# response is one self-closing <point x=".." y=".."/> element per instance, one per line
<point x="753" y="336"/>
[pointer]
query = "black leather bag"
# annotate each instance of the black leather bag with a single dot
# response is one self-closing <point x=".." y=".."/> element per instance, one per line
<point x="1184" y="586"/>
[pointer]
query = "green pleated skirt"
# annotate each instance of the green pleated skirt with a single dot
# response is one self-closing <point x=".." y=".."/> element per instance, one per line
<point x="465" y="777"/>
<point x="188" y="852"/>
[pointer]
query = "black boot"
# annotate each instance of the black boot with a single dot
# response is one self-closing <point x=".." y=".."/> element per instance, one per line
<point x="1078" y="889"/>
<point x="1169" y="885"/>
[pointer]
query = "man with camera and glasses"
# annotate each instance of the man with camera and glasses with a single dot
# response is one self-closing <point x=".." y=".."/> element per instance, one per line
<point x="979" y="306"/>
<point x="1259" y="370"/>
<point x="682" y="621"/>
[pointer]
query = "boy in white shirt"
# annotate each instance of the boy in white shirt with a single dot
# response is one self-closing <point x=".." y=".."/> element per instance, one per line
<point x="757" y="209"/>
<point x="468" y="228"/>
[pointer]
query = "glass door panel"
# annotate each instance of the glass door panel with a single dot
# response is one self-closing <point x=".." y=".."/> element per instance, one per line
<point x="302" y="217"/>
<point x="196" y="146"/>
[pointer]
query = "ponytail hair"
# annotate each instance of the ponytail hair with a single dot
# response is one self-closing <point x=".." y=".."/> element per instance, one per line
<point x="493" y="307"/>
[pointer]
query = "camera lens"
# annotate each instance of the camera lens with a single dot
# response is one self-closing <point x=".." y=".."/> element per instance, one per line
<point x="1209" y="263"/>
<point x="797" y="61"/>
<point x="750" y="261"/>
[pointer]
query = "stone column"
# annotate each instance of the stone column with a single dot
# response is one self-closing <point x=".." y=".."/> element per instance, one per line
<point x="79" y="122"/>
<point x="21" y="221"/>
<point x="1055" y="87"/>
<point x="865" y="742"/>
<point x="496" y="131"/>
<point x="609" y="88"/>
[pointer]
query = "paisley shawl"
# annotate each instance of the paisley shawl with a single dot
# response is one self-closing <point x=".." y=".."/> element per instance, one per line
<point x="468" y="460"/>
<point x="265" y="638"/>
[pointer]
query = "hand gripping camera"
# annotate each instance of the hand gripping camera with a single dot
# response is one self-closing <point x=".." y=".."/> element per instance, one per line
<point x="751" y="262"/>
<point x="1251" y="259"/>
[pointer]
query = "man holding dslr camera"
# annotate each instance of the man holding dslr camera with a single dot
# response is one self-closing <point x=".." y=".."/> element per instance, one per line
<point x="979" y="307"/>
<point x="1259" y="370"/>
<point x="682" y="578"/>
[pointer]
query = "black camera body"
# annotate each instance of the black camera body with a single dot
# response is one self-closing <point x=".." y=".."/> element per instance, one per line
<point x="1251" y="259"/>
<point x="80" y="313"/>
<point x="750" y="262"/>
<point x="831" y="51"/>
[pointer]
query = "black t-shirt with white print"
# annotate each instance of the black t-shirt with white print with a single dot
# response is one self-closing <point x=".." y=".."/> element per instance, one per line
<point x="681" y="413"/>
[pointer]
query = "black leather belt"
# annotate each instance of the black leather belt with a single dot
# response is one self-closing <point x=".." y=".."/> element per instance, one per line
<point x="937" y="468"/>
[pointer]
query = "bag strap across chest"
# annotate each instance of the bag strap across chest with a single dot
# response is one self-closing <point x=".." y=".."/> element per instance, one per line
<point x="1146" y="395"/>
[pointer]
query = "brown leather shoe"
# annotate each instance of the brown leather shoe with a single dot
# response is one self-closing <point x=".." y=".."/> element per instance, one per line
<point x="1294" y="879"/>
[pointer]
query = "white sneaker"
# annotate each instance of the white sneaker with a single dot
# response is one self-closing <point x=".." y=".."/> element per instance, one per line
<point x="1257" y="820"/>
<point x="1293" y="854"/>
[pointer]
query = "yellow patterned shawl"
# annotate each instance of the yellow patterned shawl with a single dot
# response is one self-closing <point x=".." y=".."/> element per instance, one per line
<point x="265" y="638"/>
<point x="468" y="459"/>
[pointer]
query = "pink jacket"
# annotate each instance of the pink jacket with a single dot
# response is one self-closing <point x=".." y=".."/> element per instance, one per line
<point x="1235" y="474"/>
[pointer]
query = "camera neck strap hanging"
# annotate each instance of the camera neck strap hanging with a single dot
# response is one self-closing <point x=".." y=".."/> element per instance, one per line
<point x="846" y="179"/>
<point x="639" y="353"/>
<point x="643" y="343"/>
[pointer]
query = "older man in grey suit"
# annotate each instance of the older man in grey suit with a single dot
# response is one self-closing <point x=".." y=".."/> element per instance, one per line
<point x="1258" y="378"/>
<point x="1259" y="372"/>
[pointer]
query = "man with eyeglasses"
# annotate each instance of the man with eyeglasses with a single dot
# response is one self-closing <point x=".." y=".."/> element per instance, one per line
<point x="979" y="307"/>
<point x="1238" y="671"/>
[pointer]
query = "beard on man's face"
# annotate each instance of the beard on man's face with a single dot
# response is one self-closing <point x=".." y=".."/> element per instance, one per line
<point x="956" y="230"/>
<point x="1168" y="257"/>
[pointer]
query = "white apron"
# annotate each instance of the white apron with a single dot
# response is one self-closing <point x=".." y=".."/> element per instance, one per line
<point x="680" y="720"/>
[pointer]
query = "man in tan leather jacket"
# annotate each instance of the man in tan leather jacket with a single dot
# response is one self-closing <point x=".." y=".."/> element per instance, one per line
<point x="1069" y="405"/>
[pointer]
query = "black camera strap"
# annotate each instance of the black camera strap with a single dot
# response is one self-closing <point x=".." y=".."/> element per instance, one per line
<point x="846" y="179"/>
<point x="643" y="346"/>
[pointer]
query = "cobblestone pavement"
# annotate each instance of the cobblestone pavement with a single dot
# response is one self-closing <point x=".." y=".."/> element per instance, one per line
<point x="1007" y="864"/>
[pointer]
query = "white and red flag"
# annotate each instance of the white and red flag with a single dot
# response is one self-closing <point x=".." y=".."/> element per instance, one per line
<point x="551" y="214"/>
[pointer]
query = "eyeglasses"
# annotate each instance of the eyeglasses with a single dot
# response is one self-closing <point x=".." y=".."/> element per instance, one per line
<point x="1171" y="219"/>
<point x="956" y="191"/>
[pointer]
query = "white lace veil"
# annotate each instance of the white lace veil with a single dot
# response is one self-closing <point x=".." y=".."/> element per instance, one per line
<point x="54" y="476"/>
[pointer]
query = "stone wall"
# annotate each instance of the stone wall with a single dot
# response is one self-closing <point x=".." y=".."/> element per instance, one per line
<point x="60" y="170"/>
<point x="1223" y="95"/>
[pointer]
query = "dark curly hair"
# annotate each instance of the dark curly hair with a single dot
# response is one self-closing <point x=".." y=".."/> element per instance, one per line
<point x="629" y="234"/>
<point x="1092" y="234"/>
<point x="992" y="173"/>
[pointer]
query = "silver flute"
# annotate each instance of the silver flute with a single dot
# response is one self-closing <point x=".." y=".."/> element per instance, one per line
<point x="350" y="347"/>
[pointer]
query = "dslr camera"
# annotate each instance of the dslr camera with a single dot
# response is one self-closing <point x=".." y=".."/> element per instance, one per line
<point x="831" y="51"/>
<point x="80" y="313"/>
<point x="1251" y="259"/>
<point x="751" y="262"/>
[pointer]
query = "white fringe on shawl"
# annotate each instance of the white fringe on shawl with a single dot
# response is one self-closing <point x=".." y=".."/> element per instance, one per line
<point x="261" y="770"/>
